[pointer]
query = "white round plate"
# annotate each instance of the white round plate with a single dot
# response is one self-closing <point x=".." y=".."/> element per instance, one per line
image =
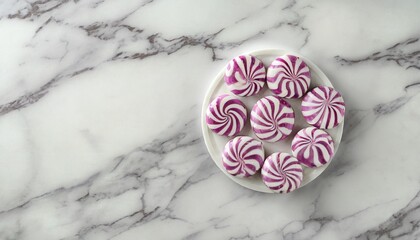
<point x="216" y="143"/>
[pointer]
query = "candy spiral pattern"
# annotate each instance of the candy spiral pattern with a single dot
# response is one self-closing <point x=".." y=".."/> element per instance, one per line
<point x="323" y="107"/>
<point x="288" y="76"/>
<point x="226" y="115"/>
<point x="272" y="119"/>
<point x="282" y="173"/>
<point x="243" y="156"/>
<point x="313" y="147"/>
<point x="245" y="75"/>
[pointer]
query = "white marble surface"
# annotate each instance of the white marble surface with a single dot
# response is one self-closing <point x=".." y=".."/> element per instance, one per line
<point x="99" y="119"/>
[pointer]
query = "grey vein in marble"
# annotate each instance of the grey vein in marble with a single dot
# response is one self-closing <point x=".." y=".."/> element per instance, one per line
<point x="405" y="54"/>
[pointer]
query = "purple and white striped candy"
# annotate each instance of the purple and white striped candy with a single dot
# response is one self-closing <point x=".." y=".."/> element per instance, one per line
<point x="272" y="119"/>
<point x="288" y="76"/>
<point x="226" y="115"/>
<point x="323" y="107"/>
<point x="313" y="147"/>
<point x="282" y="173"/>
<point x="245" y="75"/>
<point x="243" y="156"/>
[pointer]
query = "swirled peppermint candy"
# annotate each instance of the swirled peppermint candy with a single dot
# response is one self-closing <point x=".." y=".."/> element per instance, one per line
<point x="323" y="107"/>
<point x="243" y="156"/>
<point x="313" y="147"/>
<point x="226" y="115"/>
<point x="282" y="173"/>
<point x="288" y="76"/>
<point x="272" y="119"/>
<point x="245" y="75"/>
